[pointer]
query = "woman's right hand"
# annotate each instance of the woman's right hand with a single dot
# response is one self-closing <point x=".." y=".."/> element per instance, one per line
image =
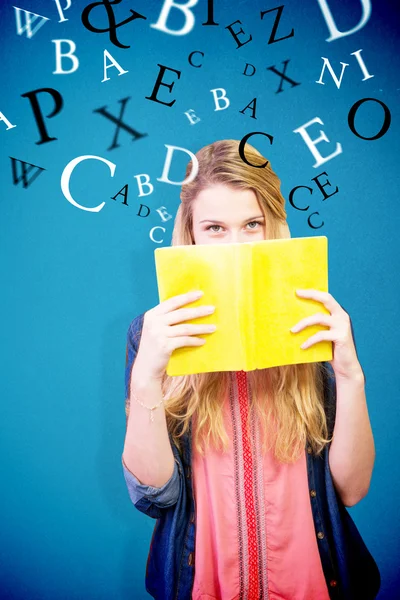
<point x="163" y="332"/>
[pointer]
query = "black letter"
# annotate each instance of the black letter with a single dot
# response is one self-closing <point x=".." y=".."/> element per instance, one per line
<point x="253" y="102"/>
<point x="38" y="113"/>
<point x="321" y="187"/>
<point x="312" y="226"/>
<point x="25" y="171"/>
<point x="210" y="13"/>
<point x="144" y="216"/>
<point x="190" y="58"/>
<point x="283" y="76"/>
<point x="119" y="122"/>
<point x="292" y="194"/>
<point x="159" y="82"/>
<point x="386" y="122"/>
<point x="113" y="25"/>
<point x="235" y="34"/>
<point x="242" y="145"/>
<point x="276" y="24"/>
<point x="245" y="69"/>
<point x="123" y="192"/>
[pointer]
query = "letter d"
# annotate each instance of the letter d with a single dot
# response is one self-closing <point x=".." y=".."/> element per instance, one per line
<point x="333" y="30"/>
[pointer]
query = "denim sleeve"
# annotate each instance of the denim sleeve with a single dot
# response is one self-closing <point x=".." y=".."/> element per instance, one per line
<point x="330" y="397"/>
<point x="162" y="497"/>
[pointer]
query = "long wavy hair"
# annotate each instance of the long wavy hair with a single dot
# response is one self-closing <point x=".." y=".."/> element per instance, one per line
<point x="287" y="399"/>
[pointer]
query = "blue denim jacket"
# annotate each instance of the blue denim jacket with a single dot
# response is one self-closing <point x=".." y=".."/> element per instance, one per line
<point x="351" y="572"/>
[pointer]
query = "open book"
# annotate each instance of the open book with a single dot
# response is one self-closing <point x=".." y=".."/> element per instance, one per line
<point x="253" y="288"/>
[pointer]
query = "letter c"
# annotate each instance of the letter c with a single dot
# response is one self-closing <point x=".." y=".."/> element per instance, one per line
<point x="292" y="194"/>
<point x="243" y="143"/>
<point x="65" y="177"/>
<point x="314" y="226"/>
<point x="190" y="58"/>
<point x="152" y="231"/>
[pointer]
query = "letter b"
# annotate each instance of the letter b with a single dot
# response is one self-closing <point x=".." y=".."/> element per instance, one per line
<point x="184" y="8"/>
<point x="60" y="55"/>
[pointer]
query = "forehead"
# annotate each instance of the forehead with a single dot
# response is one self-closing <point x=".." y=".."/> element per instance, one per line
<point x="222" y="202"/>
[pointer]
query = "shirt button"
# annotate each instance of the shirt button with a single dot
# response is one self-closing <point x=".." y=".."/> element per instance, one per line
<point x="309" y="449"/>
<point x="313" y="493"/>
<point x="320" y="534"/>
<point x="333" y="583"/>
<point x="190" y="560"/>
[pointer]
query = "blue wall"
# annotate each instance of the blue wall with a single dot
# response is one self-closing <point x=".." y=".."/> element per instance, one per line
<point x="72" y="280"/>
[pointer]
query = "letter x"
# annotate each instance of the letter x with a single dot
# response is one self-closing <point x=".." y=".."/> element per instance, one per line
<point x="282" y="76"/>
<point x="120" y="124"/>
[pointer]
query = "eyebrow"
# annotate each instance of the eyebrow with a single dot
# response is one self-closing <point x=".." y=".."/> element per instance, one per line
<point x="222" y="223"/>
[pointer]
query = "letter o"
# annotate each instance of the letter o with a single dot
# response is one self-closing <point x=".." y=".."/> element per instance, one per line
<point x="352" y="115"/>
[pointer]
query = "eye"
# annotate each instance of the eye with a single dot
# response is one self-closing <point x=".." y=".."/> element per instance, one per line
<point x="210" y="226"/>
<point x="257" y="222"/>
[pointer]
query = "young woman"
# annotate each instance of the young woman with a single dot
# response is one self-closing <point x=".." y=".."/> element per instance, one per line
<point x="247" y="473"/>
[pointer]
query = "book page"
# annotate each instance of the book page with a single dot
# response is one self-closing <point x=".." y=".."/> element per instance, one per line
<point x="212" y="268"/>
<point x="279" y="268"/>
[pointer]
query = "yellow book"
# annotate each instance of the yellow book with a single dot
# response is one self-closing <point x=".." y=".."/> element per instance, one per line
<point x="253" y="288"/>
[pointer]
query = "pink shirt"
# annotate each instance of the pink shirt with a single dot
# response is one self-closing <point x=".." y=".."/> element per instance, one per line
<point x="255" y="535"/>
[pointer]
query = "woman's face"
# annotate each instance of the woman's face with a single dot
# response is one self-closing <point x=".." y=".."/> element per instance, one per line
<point x="223" y="215"/>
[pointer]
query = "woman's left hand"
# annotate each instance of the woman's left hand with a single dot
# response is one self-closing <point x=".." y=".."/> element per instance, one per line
<point x="345" y="362"/>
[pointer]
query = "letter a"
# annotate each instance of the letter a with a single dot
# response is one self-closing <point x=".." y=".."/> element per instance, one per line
<point x="6" y="121"/>
<point x="28" y="22"/>
<point x="333" y="30"/>
<point x="113" y="63"/>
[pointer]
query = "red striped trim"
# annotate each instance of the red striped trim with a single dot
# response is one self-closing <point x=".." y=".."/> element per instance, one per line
<point x="253" y="593"/>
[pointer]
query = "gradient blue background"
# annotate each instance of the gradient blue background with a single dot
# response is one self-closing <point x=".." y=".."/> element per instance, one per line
<point x="73" y="280"/>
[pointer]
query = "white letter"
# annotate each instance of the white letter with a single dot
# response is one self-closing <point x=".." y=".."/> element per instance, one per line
<point x="222" y="97"/>
<point x="151" y="234"/>
<point x="167" y="164"/>
<point x="145" y="182"/>
<point x="312" y="143"/>
<point x="70" y="55"/>
<point x="192" y="117"/>
<point x="333" y="30"/>
<point x="189" y="17"/>
<point x="60" y="10"/>
<point x="113" y="64"/>
<point x="4" y="118"/>
<point x="28" y="22"/>
<point x="162" y="211"/>
<point x="331" y="71"/>
<point x="65" y="177"/>
<point x="362" y="65"/>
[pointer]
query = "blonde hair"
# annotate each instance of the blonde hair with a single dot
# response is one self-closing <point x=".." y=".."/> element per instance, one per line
<point x="288" y="400"/>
